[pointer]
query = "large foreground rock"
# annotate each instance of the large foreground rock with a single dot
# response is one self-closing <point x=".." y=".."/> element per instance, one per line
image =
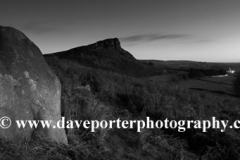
<point x="29" y="90"/>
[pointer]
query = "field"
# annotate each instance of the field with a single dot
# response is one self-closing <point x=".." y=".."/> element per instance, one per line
<point x="219" y="85"/>
<point x="221" y="80"/>
<point x="208" y="86"/>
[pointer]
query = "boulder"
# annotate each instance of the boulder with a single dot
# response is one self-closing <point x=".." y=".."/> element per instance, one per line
<point x="29" y="90"/>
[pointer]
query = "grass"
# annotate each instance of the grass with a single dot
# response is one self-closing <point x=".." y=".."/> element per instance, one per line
<point x="113" y="96"/>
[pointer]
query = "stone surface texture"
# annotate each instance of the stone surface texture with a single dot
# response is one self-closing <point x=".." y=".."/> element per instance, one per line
<point x="29" y="90"/>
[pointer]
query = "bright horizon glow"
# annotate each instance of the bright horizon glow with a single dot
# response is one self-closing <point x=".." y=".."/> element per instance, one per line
<point x="206" y="31"/>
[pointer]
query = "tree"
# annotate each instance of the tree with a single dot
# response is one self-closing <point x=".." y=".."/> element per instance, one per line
<point x="195" y="73"/>
<point x="151" y="64"/>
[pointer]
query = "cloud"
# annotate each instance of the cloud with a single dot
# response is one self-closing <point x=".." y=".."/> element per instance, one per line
<point x="204" y="40"/>
<point x="39" y="27"/>
<point x="153" y="37"/>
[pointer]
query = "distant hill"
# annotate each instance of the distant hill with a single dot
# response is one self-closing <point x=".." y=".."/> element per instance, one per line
<point x="170" y="64"/>
<point x="184" y="64"/>
<point x="108" y="55"/>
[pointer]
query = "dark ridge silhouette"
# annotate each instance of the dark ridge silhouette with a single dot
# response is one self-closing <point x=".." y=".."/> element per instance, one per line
<point x="108" y="55"/>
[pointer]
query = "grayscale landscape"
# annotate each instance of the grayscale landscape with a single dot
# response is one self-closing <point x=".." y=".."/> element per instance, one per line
<point x="119" y="59"/>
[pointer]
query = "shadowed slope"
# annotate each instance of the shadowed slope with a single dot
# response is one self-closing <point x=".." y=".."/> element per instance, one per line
<point x="108" y="55"/>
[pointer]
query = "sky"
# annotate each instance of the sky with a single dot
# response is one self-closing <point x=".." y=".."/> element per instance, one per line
<point x="199" y="30"/>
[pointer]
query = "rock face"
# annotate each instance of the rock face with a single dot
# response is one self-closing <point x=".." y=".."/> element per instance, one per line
<point x="112" y="43"/>
<point x="29" y="90"/>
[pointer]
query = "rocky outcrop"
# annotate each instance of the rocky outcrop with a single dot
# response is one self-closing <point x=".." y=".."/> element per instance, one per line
<point x="29" y="90"/>
<point x="112" y="43"/>
<point x="107" y="55"/>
